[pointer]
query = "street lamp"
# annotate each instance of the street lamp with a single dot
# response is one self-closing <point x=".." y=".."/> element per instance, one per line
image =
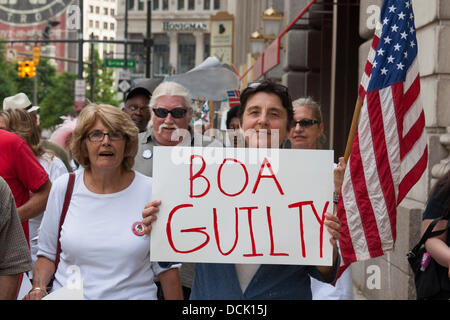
<point x="272" y="23"/>
<point x="257" y="42"/>
<point x="272" y="20"/>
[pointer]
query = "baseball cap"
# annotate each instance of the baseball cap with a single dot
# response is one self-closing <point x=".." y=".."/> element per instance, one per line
<point x="139" y="90"/>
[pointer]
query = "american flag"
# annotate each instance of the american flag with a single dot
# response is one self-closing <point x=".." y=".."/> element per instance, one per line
<point x="389" y="151"/>
<point x="234" y="97"/>
<point x="205" y="112"/>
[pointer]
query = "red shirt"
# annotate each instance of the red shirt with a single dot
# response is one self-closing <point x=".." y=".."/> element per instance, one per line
<point x="20" y="168"/>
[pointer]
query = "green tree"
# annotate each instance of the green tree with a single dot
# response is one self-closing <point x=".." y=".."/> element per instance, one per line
<point x="46" y="76"/>
<point x="8" y="73"/>
<point x="103" y="82"/>
<point x="59" y="100"/>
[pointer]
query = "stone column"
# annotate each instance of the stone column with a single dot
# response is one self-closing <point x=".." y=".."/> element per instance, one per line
<point x="440" y="169"/>
<point x="173" y="55"/>
<point x="199" y="47"/>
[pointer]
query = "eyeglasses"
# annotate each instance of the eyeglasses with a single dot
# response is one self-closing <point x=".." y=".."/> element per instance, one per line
<point x="98" y="136"/>
<point x="144" y="109"/>
<point x="304" y="123"/>
<point x="177" y="113"/>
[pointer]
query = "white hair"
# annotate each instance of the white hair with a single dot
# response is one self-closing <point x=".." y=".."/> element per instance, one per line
<point x="170" y="88"/>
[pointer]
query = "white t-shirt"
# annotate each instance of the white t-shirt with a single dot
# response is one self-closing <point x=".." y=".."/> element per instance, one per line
<point x="98" y="239"/>
<point x="54" y="168"/>
<point x="343" y="290"/>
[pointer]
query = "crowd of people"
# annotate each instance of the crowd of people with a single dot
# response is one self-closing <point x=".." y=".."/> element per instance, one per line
<point x="73" y="199"/>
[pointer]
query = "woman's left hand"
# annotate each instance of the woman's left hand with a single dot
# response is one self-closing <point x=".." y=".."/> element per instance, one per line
<point x="149" y="214"/>
<point x="333" y="226"/>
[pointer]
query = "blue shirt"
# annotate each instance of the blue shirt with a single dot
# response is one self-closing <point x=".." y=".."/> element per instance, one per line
<point x="219" y="281"/>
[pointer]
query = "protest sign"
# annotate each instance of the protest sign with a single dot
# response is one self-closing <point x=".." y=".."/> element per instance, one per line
<point x="242" y="205"/>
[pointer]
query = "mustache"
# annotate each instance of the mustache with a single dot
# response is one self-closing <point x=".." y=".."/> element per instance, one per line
<point x="167" y="126"/>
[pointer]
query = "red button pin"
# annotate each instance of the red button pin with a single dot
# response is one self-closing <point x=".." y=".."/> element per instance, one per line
<point x="138" y="228"/>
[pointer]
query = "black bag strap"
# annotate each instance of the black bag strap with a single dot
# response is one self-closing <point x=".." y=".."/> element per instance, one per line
<point x="429" y="233"/>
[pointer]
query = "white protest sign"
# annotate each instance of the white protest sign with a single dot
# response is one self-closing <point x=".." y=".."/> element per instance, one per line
<point x="66" y="293"/>
<point x="241" y="205"/>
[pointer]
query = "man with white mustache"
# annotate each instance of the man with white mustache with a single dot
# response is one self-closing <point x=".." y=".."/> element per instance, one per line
<point x="171" y="107"/>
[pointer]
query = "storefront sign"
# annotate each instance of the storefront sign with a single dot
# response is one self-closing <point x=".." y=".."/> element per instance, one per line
<point x="185" y="26"/>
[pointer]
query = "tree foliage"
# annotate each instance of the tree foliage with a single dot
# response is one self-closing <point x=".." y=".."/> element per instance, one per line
<point x="8" y="87"/>
<point x="55" y="92"/>
<point x="59" y="101"/>
<point x="103" y="81"/>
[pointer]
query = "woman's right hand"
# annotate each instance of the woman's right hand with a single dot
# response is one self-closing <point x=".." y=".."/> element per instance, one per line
<point x="149" y="214"/>
<point x="35" y="294"/>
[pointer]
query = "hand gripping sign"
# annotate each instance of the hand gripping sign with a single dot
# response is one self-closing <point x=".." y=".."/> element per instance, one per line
<point x="236" y="205"/>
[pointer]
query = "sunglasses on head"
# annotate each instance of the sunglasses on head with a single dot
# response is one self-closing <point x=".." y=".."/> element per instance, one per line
<point x="177" y="113"/>
<point x="304" y="123"/>
<point x="256" y="84"/>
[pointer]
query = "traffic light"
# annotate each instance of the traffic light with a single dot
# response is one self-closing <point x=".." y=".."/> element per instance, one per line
<point x="32" y="68"/>
<point x="36" y="52"/>
<point x="26" y="69"/>
<point x="21" y="71"/>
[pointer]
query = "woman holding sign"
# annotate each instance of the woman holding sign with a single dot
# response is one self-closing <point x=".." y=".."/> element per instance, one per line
<point x="103" y="247"/>
<point x="266" y="114"/>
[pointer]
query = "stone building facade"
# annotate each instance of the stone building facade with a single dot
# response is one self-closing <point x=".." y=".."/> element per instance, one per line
<point x="180" y="33"/>
<point x="432" y="19"/>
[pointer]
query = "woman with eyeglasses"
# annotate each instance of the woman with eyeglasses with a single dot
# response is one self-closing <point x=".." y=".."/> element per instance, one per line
<point x="265" y="116"/>
<point x="102" y="233"/>
<point x="307" y="133"/>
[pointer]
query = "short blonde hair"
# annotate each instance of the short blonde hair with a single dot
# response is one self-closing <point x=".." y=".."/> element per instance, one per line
<point x="115" y="120"/>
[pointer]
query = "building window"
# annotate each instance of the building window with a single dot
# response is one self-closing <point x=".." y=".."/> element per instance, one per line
<point x="97" y="24"/>
<point x="112" y="11"/>
<point x="180" y="4"/>
<point x="105" y="25"/>
<point x="91" y="9"/>
<point x="207" y="42"/>
<point x="111" y="26"/>
<point x="97" y="10"/>
<point x="207" y="5"/>
<point x="91" y="24"/>
<point x="141" y="5"/>
<point x="191" y="4"/>
<point x="216" y="4"/>
<point x="130" y="4"/>
<point x="161" y="54"/>
<point x="155" y="4"/>
<point x="186" y="52"/>
<point x="165" y="5"/>
<point x="105" y="11"/>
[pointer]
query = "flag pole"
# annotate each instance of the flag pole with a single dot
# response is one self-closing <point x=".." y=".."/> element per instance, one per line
<point x="353" y="128"/>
